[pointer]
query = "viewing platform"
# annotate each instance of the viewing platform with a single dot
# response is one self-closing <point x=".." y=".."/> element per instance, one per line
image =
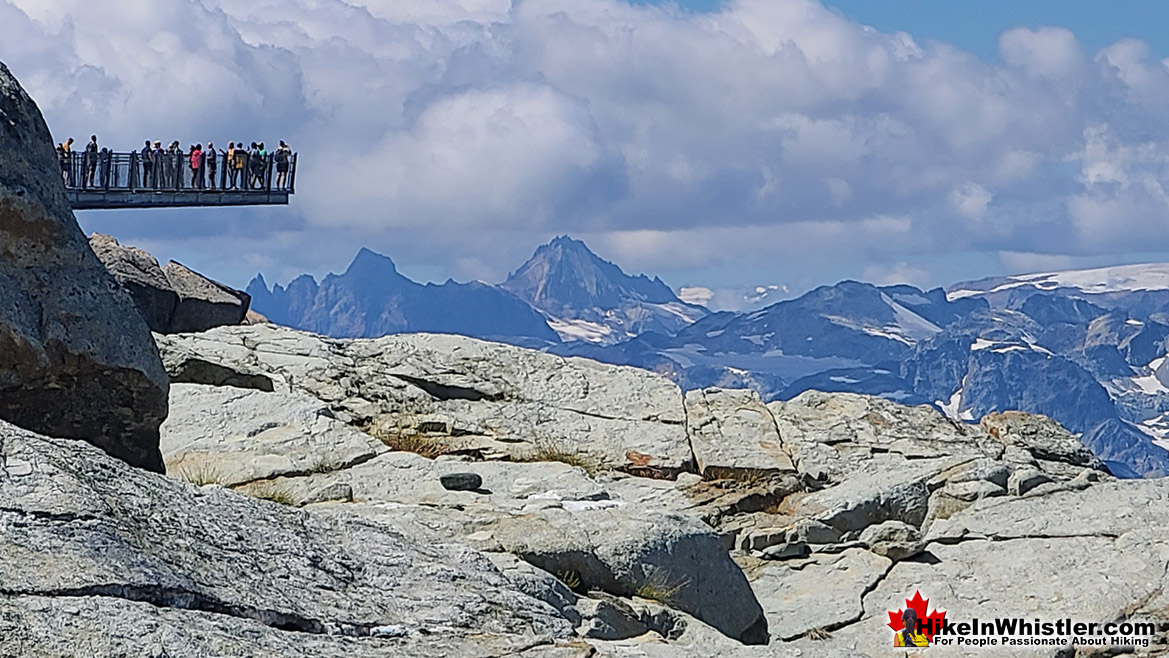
<point x="112" y="181"/>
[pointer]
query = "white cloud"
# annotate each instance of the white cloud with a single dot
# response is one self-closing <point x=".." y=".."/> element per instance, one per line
<point x="898" y="273"/>
<point x="970" y="200"/>
<point x="695" y="294"/>
<point x="1048" y="52"/>
<point x="466" y="131"/>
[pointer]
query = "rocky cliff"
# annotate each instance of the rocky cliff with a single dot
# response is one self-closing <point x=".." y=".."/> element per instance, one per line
<point x="76" y="360"/>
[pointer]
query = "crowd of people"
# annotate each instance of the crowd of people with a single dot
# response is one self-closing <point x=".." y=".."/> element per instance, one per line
<point x="158" y="168"/>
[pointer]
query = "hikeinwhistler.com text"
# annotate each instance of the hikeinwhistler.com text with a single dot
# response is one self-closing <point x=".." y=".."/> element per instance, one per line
<point x="1019" y="632"/>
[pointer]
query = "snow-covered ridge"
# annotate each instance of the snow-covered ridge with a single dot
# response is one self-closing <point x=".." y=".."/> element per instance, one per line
<point x="1122" y="278"/>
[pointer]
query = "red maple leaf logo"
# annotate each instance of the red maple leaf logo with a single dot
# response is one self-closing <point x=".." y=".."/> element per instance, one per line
<point x="929" y="623"/>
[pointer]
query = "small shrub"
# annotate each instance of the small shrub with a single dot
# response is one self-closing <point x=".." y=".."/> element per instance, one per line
<point x="661" y="587"/>
<point x="405" y="434"/>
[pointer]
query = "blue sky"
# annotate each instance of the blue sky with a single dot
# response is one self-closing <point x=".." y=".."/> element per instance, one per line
<point x="975" y="25"/>
<point x="752" y="142"/>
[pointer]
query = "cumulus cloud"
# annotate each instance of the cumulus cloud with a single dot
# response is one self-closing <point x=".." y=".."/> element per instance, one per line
<point x="738" y="144"/>
<point x="898" y="273"/>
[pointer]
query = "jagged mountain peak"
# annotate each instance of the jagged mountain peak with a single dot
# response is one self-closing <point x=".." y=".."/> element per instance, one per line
<point x="566" y="274"/>
<point x="369" y="262"/>
<point x="587" y="297"/>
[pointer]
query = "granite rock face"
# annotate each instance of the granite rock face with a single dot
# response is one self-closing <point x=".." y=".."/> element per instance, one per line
<point x="460" y="392"/>
<point x="232" y="436"/>
<point x="141" y="276"/>
<point x="877" y="500"/>
<point x="172" y="299"/>
<point x="76" y="358"/>
<point x="139" y="562"/>
<point x="203" y="303"/>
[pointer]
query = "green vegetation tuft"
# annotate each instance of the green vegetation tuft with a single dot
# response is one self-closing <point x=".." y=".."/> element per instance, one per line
<point x="661" y="587"/>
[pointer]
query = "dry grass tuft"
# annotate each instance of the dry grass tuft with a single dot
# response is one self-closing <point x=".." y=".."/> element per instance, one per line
<point x="818" y="634"/>
<point x="271" y="491"/>
<point x="547" y="451"/>
<point x="199" y="474"/>
<point x="417" y="444"/>
<point x="661" y="587"/>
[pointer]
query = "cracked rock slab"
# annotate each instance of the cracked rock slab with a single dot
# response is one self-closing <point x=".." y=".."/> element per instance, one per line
<point x="829" y="435"/>
<point x="69" y="626"/>
<point x="231" y="436"/>
<point x="518" y="402"/>
<point x="824" y="592"/>
<point x="78" y="523"/>
<point x="1107" y="509"/>
<point x="1082" y="578"/>
<point x="884" y="489"/>
<point x="732" y="432"/>
<point x="612" y="533"/>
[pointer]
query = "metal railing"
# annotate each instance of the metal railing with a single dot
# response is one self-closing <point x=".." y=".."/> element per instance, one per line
<point x="172" y="172"/>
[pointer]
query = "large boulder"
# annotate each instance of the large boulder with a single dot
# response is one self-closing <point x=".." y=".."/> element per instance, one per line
<point x="141" y="276"/>
<point x="172" y="299"/>
<point x="100" y="559"/>
<point x="203" y="303"/>
<point x="626" y="551"/>
<point x="824" y="592"/>
<point x="76" y="358"/>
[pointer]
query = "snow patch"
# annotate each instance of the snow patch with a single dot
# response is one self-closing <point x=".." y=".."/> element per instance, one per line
<point x="953" y="408"/>
<point x="1124" y="278"/>
<point x="759" y="339"/>
<point x="572" y="330"/>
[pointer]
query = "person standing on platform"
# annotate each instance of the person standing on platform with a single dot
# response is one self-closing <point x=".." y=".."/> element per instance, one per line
<point x="252" y="162"/>
<point x="261" y="165"/>
<point x="63" y="161"/>
<point x="67" y="146"/>
<point x="197" y="163"/>
<point x="175" y="161"/>
<point x="283" y="157"/>
<point x="146" y="158"/>
<point x="230" y="164"/>
<point x="89" y="161"/>
<point x="240" y="165"/>
<point x="159" y="163"/>
<point x="211" y="162"/>
<point x="103" y="164"/>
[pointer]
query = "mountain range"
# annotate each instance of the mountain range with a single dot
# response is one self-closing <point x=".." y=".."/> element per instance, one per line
<point x="1087" y="348"/>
